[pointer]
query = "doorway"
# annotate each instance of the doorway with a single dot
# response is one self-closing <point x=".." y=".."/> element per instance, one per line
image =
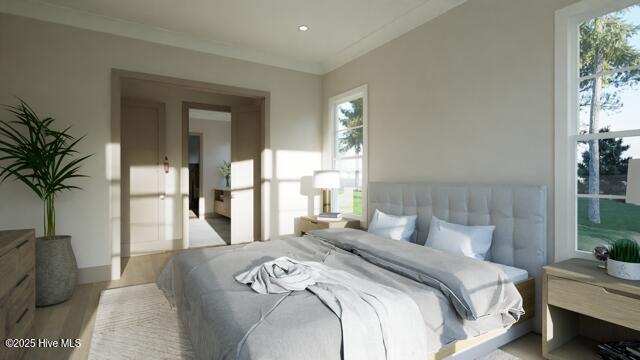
<point x="174" y="193"/>
<point x="209" y="167"/>
<point x="230" y="195"/>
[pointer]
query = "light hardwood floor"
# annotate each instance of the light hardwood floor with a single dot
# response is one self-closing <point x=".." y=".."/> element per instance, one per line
<point x="75" y="318"/>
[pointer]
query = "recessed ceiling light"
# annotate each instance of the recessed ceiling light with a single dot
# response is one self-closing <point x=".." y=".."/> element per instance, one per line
<point x="303" y="28"/>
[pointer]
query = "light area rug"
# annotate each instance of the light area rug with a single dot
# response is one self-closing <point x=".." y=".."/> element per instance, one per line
<point x="137" y="322"/>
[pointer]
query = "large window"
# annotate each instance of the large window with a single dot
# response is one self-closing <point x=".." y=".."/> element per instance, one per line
<point x="348" y="150"/>
<point x="598" y="133"/>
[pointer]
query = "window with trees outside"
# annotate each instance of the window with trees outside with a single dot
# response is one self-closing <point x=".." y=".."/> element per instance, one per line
<point x="607" y="139"/>
<point x="348" y="123"/>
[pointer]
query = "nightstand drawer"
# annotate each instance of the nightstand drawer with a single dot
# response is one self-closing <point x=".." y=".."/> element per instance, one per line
<point x="308" y="223"/>
<point x="314" y="225"/>
<point x="595" y="301"/>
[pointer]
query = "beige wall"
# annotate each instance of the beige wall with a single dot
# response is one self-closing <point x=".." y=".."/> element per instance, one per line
<point x="466" y="97"/>
<point x="216" y="148"/>
<point x="65" y="72"/>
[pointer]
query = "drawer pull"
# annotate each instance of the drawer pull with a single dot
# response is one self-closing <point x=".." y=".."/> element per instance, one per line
<point x="22" y="280"/>
<point x="620" y="293"/>
<point x="24" y="242"/>
<point x="22" y="315"/>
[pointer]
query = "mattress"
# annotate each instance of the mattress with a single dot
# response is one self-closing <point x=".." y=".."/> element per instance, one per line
<point x="513" y="273"/>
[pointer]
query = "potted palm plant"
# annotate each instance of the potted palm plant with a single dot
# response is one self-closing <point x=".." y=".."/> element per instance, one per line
<point x="624" y="259"/>
<point x="45" y="160"/>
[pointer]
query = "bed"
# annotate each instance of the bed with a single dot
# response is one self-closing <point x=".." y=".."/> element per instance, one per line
<point x="219" y="313"/>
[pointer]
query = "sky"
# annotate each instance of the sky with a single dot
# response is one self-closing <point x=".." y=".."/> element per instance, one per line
<point x="629" y="116"/>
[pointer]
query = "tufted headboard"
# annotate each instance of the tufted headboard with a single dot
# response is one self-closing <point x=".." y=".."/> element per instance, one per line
<point x="519" y="213"/>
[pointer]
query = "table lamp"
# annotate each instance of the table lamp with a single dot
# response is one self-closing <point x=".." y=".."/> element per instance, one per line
<point x="326" y="180"/>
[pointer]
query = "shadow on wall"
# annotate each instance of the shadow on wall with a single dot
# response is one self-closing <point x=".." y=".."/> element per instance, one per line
<point x="291" y="187"/>
<point x="293" y="190"/>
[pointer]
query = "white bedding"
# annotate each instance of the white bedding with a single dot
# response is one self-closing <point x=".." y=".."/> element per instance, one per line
<point x="513" y="273"/>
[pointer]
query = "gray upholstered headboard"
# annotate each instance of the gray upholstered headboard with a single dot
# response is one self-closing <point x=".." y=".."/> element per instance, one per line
<point x="519" y="213"/>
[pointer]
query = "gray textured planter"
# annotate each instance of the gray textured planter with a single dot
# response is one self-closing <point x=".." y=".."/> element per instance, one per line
<point x="56" y="270"/>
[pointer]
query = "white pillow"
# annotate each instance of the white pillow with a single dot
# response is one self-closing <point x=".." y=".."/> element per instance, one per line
<point x="471" y="241"/>
<point x="392" y="226"/>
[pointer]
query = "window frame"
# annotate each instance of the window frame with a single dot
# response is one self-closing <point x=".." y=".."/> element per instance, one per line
<point x="566" y="117"/>
<point x="334" y="101"/>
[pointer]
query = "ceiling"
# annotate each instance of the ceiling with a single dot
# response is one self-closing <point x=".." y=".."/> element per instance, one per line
<point x="264" y="31"/>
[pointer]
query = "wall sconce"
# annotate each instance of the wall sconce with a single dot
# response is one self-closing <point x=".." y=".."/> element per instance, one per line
<point x="166" y="165"/>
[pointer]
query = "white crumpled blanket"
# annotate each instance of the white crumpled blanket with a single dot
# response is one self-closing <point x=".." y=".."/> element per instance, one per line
<point x="378" y="322"/>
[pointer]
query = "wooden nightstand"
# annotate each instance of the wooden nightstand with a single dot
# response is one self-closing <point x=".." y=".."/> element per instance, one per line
<point x="583" y="306"/>
<point x="308" y="223"/>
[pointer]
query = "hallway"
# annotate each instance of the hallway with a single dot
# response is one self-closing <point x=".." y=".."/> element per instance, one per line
<point x="209" y="232"/>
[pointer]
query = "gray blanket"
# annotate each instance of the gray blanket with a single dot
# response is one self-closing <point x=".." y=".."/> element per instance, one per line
<point x="378" y="322"/>
<point x="474" y="287"/>
<point x="218" y="311"/>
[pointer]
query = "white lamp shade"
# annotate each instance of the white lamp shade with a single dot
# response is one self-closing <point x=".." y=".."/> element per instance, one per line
<point x="326" y="179"/>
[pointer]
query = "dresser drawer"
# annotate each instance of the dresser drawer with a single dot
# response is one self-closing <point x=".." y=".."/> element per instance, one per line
<point x="25" y="251"/>
<point x="595" y="301"/>
<point x="21" y="296"/>
<point x="9" y="269"/>
<point x="21" y="306"/>
<point x="222" y="208"/>
<point x="20" y="328"/>
<point x="4" y="321"/>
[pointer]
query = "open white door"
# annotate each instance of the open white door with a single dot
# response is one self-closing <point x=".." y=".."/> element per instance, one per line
<point x="245" y="173"/>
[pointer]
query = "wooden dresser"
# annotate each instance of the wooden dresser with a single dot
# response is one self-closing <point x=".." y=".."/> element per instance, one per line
<point x="17" y="287"/>
<point x="222" y="202"/>
<point x="584" y="306"/>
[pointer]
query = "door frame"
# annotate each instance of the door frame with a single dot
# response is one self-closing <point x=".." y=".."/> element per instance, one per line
<point x="113" y="156"/>
<point x="259" y="202"/>
<point x="200" y="135"/>
<point x="186" y="105"/>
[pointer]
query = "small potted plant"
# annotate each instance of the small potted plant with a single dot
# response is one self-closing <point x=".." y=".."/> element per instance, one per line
<point x="623" y="260"/>
<point x="225" y="170"/>
<point x="44" y="159"/>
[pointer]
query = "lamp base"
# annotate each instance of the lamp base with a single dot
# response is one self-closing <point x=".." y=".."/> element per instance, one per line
<point x="326" y="200"/>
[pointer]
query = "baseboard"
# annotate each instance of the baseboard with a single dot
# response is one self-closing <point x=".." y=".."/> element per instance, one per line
<point x="94" y="274"/>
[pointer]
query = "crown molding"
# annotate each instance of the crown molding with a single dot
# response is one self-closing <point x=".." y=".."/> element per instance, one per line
<point x="90" y="21"/>
<point x="86" y="20"/>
